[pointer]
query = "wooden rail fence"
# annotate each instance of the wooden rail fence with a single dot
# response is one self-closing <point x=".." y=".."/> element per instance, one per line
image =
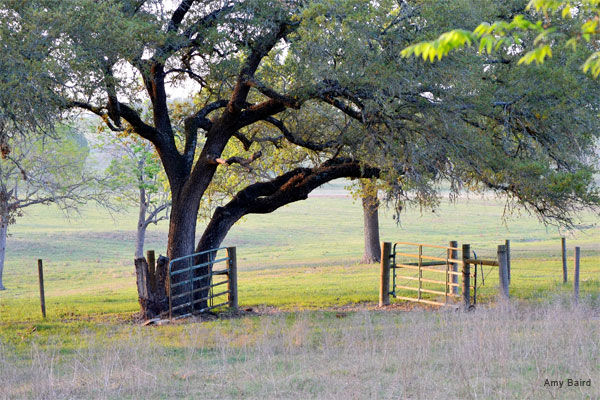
<point x="445" y="266"/>
<point x="424" y="263"/>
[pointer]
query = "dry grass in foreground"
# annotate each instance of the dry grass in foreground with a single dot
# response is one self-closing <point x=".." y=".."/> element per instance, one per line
<point x="491" y="353"/>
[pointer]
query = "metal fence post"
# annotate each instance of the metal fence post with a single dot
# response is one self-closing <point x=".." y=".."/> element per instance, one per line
<point x="507" y="244"/>
<point x="41" y="279"/>
<point x="466" y="275"/>
<point x="503" y="272"/>
<point x="420" y="271"/>
<point x="232" y="276"/>
<point x="576" y="275"/>
<point x="563" y="242"/>
<point x="169" y="291"/>
<point x="384" y="279"/>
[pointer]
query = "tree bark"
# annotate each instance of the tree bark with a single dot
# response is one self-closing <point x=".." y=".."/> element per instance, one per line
<point x="152" y="289"/>
<point x="370" y="204"/>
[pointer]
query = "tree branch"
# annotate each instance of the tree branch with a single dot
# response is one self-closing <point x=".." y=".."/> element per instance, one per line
<point x="298" y="141"/>
<point x="201" y="116"/>
<point x="257" y="53"/>
<point x="152" y="217"/>
<point x="244" y="162"/>
<point x="143" y="129"/>
<point x="190" y="73"/>
<point x="288" y="101"/>
<point x="299" y="185"/>
<point x="129" y="114"/>
<point x="206" y="21"/>
<point x="345" y="108"/>
<point x="265" y="197"/>
<point x="99" y="111"/>
<point x="179" y="15"/>
<point x="260" y="112"/>
<point x="172" y="47"/>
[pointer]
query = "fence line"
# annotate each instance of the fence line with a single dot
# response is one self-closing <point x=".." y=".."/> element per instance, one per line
<point x="428" y="263"/>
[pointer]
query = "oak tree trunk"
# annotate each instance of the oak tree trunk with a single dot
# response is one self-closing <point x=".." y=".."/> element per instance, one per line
<point x="372" y="251"/>
<point x="152" y="287"/>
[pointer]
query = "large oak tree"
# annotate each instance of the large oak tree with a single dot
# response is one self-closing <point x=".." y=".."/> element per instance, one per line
<point x="289" y="95"/>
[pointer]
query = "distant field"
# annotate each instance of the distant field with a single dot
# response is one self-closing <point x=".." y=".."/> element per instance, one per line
<point x="304" y="255"/>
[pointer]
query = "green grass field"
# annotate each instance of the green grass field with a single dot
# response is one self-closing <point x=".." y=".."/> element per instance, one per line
<point x="300" y="263"/>
<point x="305" y="255"/>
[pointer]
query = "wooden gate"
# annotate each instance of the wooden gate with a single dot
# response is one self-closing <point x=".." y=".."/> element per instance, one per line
<point x="437" y="279"/>
<point x="425" y="274"/>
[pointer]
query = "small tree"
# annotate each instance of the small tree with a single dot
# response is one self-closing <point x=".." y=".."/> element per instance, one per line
<point x="43" y="170"/>
<point x="138" y="180"/>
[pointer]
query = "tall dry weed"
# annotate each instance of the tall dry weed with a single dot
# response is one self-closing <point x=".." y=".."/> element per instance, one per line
<point x="502" y="352"/>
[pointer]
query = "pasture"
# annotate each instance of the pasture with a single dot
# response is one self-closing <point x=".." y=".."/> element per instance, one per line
<point x="313" y="329"/>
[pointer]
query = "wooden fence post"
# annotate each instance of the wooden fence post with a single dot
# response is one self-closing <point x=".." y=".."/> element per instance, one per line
<point x="503" y="271"/>
<point x="507" y="244"/>
<point x="151" y="259"/>
<point x="232" y="275"/>
<point x="454" y="256"/>
<point x="466" y="275"/>
<point x="384" y="279"/>
<point x="41" y="279"/>
<point x="576" y="275"/>
<point x="563" y="242"/>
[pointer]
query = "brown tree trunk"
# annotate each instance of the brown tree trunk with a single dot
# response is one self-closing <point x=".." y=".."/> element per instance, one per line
<point x="152" y="288"/>
<point x="372" y="251"/>
<point x="212" y="238"/>
<point x="182" y="230"/>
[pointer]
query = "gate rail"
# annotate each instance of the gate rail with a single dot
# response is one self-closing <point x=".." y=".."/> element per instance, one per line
<point x="188" y="280"/>
<point x="450" y="271"/>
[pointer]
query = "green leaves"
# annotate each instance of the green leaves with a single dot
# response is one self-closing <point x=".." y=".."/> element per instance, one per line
<point x="550" y="6"/>
<point x="492" y="37"/>
<point x="135" y="168"/>
<point x="538" y="55"/>
<point x="440" y="47"/>
<point x="592" y="64"/>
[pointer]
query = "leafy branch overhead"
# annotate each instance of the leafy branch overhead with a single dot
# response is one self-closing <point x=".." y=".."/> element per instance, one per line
<point x="582" y="19"/>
